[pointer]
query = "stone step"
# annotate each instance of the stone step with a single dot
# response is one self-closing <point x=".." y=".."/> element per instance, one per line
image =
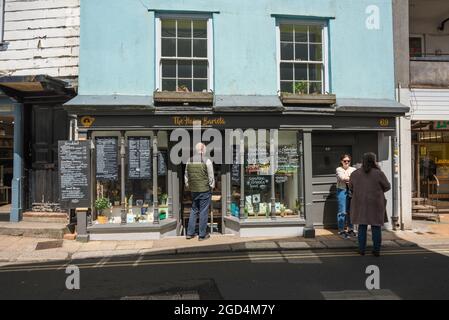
<point x="51" y="217"/>
<point x="34" y="229"/>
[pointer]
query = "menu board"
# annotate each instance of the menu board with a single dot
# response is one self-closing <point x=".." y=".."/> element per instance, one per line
<point x="162" y="163"/>
<point x="139" y="158"/>
<point x="74" y="173"/>
<point x="235" y="170"/>
<point x="288" y="159"/>
<point x="259" y="183"/>
<point x="106" y="161"/>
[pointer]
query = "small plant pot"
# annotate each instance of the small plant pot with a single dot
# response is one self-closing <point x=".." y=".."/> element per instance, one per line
<point x="102" y="219"/>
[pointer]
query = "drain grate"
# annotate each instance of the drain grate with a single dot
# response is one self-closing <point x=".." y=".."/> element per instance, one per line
<point x="49" y="245"/>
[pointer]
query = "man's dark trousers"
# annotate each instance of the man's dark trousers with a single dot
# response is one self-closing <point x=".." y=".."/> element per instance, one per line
<point x="200" y="205"/>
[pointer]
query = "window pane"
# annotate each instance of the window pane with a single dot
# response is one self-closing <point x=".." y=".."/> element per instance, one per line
<point x="286" y="71"/>
<point x="315" y="72"/>
<point x="200" y="69"/>
<point x="184" y="29"/>
<point x="168" y="47"/>
<point x="200" y="48"/>
<point x="300" y="71"/>
<point x="184" y="69"/>
<point x="316" y="33"/>
<point x="287" y="86"/>
<point x="287" y="33"/>
<point x="199" y="85"/>
<point x="200" y="29"/>
<point x="301" y="52"/>
<point x="287" y="176"/>
<point x="168" y="69"/>
<point x="184" y="48"/>
<point x="316" y="52"/>
<point x="168" y="85"/>
<point x="316" y="87"/>
<point x="286" y="51"/>
<point x="301" y="34"/>
<point x="168" y="28"/>
<point x="183" y="84"/>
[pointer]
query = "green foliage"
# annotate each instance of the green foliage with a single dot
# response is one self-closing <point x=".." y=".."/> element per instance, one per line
<point x="101" y="204"/>
<point x="300" y="87"/>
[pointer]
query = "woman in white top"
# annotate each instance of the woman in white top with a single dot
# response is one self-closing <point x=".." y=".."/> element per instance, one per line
<point x="343" y="174"/>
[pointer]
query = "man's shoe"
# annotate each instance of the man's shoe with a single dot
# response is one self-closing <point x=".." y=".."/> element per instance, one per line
<point x="190" y="237"/>
<point x="352" y="233"/>
<point x="376" y="253"/>
<point x="362" y="253"/>
<point x="343" y="234"/>
<point x="207" y="236"/>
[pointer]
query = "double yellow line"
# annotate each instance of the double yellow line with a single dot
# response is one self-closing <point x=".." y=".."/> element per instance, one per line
<point x="252" y="257"/>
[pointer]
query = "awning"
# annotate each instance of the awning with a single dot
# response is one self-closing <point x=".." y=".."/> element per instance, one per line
<point x="371" y="106"/>
<point x="40" y="88"/>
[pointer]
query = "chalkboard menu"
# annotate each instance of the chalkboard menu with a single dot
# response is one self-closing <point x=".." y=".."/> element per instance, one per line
<point x="74" y="173"/>
<point x="139" y="158"/>
<point x="235" y="171"/>
<point x="288" y="159"/>
<point x="107" y="154"/>
<point x="162" y="163"/>
<point x="259" y="183"/>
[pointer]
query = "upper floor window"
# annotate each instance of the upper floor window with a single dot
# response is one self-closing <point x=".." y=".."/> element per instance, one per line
<point x="185" y="54"/>
<point x="303" y="58"/>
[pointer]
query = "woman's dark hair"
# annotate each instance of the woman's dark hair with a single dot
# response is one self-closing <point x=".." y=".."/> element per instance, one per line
<point x="345" y="155"/>
<point x="369" y="162"/>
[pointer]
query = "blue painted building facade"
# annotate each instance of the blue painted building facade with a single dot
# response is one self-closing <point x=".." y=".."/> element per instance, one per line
<point x="240" y="57"/>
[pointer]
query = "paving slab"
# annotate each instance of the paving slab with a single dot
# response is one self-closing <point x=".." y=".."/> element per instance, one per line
<point x="158" y="251"/>
<point x="292" y="245"/>
<point x="204" y="249"/>
<point x="101" y="254"/>
<point x="406" y="243"/>
<point x="339" y="244"/>
<point x="47" y="255"/>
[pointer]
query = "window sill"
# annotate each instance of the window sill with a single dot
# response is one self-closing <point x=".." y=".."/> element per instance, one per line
<point x="310" y="99"/>
<point x="183" y="97"/>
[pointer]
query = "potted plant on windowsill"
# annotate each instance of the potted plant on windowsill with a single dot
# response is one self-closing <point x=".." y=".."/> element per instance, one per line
<point x="102" y="204"/>
<point x="183" y="95"/>
<point x="300" y="96"/>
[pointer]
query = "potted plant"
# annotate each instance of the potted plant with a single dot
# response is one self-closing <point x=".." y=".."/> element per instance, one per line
<point x="163" y="199"/>
<point x="100" y="205"/>
<point x="300" y="95"/>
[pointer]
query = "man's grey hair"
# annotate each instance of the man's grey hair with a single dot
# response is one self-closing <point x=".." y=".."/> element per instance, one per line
<point x="200" y="148"/>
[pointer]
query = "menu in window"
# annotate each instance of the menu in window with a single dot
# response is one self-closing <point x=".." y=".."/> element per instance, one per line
<point x="288" y="159"/>
<point x="235" y="170"/>
<point x="74" y="173"/>
<point x="107" y="158"/>
<point x="258" y="183"/>
<point x="162" y="163"/>
<point x="139" y="158"/>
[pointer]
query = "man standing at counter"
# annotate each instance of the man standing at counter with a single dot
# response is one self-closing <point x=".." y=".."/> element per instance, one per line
<point x="199" y="177"/>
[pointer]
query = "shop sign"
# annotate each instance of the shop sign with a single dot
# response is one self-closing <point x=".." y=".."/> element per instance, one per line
<point x="204" y="121"/>
<point x="441" y="125"/>
<point x="87" y="121"/>
<point x="384" y="122"/>
<point x="74" y="173"/>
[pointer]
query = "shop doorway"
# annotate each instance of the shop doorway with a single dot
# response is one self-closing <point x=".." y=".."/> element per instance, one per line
<point x="215" y="220"/>
<point x="6" y="165"/>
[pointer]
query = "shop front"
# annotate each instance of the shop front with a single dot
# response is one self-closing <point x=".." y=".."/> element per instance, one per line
<point x="138" y="189"/>
<point x="431" y="166"/>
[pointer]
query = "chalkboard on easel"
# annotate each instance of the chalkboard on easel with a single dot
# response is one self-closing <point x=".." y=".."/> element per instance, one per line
<point x="74" y="173"/>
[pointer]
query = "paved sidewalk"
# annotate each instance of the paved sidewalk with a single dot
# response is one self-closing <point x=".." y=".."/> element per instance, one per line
<point x="24" y="250"/>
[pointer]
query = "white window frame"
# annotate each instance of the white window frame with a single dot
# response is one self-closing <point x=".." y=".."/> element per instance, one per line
<point x="210" y="47"/>
<point x="325" y="37"/>
<point x="2" y="20"/>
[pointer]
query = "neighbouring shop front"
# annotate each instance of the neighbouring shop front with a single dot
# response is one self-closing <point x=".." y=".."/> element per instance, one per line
<point x="137" y="192"/>
<point x="430" y="156"/>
